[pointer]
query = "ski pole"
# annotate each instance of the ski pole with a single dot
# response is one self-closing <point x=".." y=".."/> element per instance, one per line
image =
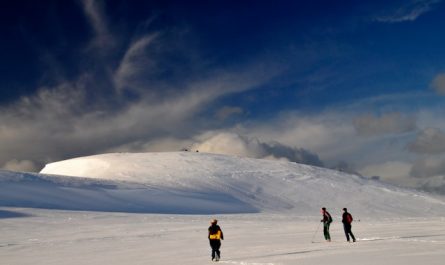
<point x="316" y="231"/>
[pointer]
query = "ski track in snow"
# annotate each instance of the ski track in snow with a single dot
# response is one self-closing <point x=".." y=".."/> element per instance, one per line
<point x="407" y="238"/>
<point x="245" y="263"/>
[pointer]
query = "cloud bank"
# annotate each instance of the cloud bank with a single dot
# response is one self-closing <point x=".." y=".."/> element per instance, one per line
<point x="371" y="125"/>
<point x="235" y="144"/>
<point x="428" y="167"/>
<point x="429" y="141"/>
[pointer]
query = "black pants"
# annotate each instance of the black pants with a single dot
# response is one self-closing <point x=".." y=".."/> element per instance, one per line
<point x="326" y="233"/>
<point x="348" y="231"/>
<point x="215" y="244"/>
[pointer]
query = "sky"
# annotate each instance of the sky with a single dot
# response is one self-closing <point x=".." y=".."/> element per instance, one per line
<point x="353" y="85"/>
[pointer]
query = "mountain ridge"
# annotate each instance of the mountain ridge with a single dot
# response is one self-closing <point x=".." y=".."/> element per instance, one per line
<point x="201" y="183"/>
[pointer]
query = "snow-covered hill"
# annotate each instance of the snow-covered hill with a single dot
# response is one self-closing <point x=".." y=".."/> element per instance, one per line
<point x="198" y="183"/>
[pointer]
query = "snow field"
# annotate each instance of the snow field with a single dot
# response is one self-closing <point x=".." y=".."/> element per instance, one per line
<point x="70" y="237"/>
<point x="132" y="209"/>
<point x="225" y="184"/>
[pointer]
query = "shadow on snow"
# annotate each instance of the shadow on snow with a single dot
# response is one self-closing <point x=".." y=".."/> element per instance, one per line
<point x="12" y="214"/>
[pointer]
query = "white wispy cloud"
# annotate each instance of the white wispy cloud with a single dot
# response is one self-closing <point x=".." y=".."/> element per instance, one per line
<point x="135" y="62"/>
<point x="370" y="125"/>
<point x="93" y="10"/>
<point x="228" y="111"/>
<point x="409" y="11"/>
<point x="60" y="121"/>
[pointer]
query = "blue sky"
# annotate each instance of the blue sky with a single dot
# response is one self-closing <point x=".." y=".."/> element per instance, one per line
<point x="357" y="85"/>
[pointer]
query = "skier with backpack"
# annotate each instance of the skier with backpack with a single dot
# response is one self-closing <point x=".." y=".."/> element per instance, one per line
<point x="215" y="237"/>
<point x="347" y="224"/>
<point x="327" y="220"/>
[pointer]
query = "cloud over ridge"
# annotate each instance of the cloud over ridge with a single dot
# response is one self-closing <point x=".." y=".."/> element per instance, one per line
<point x="429" y="141"/>
<point x="369" y="125"/>
<point x="235" y="144"/>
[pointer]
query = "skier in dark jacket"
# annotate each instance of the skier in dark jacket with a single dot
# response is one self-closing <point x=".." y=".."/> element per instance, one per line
<point x="327" y="220"/>
<point x="347" y="224"/>
<point x="215" y="237"/>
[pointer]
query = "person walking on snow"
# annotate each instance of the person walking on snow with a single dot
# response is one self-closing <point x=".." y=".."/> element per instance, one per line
<point x="347" y="224"/>
<point x="215" y="237"/>
<point x="327" y="220"/>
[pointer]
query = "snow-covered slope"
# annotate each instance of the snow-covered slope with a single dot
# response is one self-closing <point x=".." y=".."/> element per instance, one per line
<point x="185" y="182"/>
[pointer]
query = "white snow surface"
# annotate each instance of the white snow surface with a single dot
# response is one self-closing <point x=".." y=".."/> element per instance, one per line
<point x="201" y="183"/>
<point x="54" y="237"/>
<point x="155" y="209"/>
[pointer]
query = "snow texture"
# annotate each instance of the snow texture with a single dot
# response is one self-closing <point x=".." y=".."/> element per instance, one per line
<point x="198" y="183"/>
<point x="162" y="204"/>
<point x="54" y="237"/>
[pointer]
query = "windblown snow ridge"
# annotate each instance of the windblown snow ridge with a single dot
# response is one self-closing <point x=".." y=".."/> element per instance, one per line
<point x="89" y="194"/>
<point x="198" y="183"/>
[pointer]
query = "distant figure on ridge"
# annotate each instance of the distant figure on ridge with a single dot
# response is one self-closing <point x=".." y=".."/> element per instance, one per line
<point x="215" y="237"/>
<point x="327" y="220"/>
<point x="347" y="224"/>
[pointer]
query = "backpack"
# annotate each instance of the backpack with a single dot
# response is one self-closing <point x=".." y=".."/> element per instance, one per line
<point x="215" y="232"/>
<point x="216" y="236"/>
<point x="349" y="218"/>
<point x="329" y="217"/>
